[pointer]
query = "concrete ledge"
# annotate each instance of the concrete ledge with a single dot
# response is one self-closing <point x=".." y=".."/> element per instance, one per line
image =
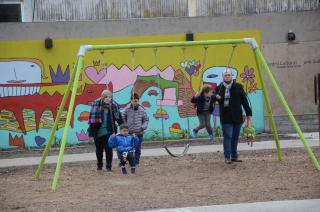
<point x="311" y="205"/>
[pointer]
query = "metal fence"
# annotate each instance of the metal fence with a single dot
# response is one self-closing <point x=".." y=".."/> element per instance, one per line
<point x="69" y="10"/>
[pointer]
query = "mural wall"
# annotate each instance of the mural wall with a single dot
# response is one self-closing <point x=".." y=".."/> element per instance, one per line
<point x="33" y="81"/>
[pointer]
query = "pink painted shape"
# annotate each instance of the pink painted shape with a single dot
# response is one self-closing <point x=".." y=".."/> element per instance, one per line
<point x="125" y="77"/>
<point x="94" y="75"/>
<point x="82" y="136"/>
<point x="169" y="98"/>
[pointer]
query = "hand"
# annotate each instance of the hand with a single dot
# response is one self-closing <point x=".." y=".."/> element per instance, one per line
<point x="218" y="96"/>
<point x="134" y="135"/>
<point x="248" y="120"/>
<point x="90" y="139"/>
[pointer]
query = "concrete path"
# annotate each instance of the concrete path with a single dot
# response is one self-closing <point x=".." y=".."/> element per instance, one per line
<point x="28" y="161"/>
<point x="312" y="205"/>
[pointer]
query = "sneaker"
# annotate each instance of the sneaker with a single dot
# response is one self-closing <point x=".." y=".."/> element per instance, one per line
<point x="109" y="170"/>
<point x="194" y="134"/>
<point x="236" y="160"/>
<point x="133" y="170"/>
<point x="123" y="170"/>
<point x="99" y="168"/>
<point x="212" y="138"/>
<point x="228" y="161"/>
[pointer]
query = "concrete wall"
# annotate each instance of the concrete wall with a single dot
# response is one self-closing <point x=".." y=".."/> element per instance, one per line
<point x="273" y="27"/>
<point x="295" y="81"/>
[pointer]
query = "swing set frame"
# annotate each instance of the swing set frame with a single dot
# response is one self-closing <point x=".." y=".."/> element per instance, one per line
<point x="261" y="65"/>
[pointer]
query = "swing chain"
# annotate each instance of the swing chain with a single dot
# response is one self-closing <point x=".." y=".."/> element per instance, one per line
<point x="203" y="65"/>
<point x="132" y="68"/>
<point x="230" y="59"/>
<point x="103" y="60"/>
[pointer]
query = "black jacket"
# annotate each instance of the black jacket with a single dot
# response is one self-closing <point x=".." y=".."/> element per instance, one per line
<point x="238" y="98"/>
<point x="199" y="102"/>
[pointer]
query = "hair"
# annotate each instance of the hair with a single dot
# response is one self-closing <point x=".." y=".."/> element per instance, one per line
<point x="227" y="70"/>
<point x="124" y="126"/>
<point x="206" y="89"/>
<point x="135" y="96"/>
<point x="106" y="93"/>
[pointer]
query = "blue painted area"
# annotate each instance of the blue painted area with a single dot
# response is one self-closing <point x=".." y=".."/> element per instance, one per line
<point x="214" y="74"/>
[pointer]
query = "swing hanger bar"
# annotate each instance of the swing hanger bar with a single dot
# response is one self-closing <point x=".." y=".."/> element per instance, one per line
<point x="251" y="41"/>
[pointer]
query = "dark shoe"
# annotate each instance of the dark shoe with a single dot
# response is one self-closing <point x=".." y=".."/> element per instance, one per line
<point x="228" y="161"/>
<point x="133" y="170"/>
<point x="99" y="168"/>
<point x="109" y="169"/>
<point x="123" y="170"/>
<point x="236" y="160"/>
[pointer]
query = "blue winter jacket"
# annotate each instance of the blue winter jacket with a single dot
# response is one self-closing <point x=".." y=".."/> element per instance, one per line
<point x="123" y="143"/>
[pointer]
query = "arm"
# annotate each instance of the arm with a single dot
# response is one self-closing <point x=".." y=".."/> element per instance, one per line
<point x="245" y="103"/>
<point x="117" y="114"/>
<point x="92" y="129"/>
<point x="112" y="141"/>
<point x="217" y="93"/>
<point x="125" y="116"/>
<point x="145" y="121"/>
<point x="194" y="99"/>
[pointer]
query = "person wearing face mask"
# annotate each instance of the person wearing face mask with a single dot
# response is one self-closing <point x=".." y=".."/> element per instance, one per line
<point x="103" y="116"/>
<point x="135" y="117"/>
<point x="231" y="98"/>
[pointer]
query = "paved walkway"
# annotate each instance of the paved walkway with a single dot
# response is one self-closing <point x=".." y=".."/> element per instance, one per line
<point x="311" y="205"/>
<point x="28" y="161"/>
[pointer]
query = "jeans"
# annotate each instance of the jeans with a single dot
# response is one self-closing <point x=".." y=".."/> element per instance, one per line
<point x="138" y="149"/>
<point x="129" y="158"/>
<point x="230" y="139"/>
<point x="204" y="120"/>
<point x="101" y="143"/>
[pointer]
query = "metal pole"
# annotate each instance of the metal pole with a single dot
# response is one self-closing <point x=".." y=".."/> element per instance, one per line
<point x="287" y="109"/>
<point x="66" y="128"/>
<point x="168" y="44"/>
<point x="268" y="105"/>
<point x="56" y="121"/>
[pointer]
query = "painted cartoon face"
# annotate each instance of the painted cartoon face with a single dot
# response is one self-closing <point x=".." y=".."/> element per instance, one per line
<point x="213" y="75"/>
<point x="16" y="75"/>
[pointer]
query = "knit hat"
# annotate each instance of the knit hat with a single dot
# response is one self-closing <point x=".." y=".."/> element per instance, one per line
<point x="124" y="126"/>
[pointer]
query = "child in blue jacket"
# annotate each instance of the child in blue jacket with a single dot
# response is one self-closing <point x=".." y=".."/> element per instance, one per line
<point x="125" y="145"/>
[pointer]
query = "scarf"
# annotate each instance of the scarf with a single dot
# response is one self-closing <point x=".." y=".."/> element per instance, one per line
<point x="227" y="93"/>
<point x="95" y="115"/>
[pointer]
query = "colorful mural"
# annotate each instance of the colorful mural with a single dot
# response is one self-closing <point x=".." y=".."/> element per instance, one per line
<point x="34" y="79"/>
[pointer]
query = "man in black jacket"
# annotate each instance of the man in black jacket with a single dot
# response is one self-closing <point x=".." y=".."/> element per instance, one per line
<point x="231" y="98"/>
<point x="103" y="115"/>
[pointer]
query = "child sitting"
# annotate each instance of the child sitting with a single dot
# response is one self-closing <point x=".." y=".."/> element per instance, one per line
<point x="125" y="144"/>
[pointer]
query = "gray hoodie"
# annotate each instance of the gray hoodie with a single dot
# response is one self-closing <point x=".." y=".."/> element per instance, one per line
<point x="136" y="119"/>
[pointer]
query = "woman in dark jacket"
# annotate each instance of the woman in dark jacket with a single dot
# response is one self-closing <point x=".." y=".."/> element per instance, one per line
<point x="103" y="115"/>
<point x="231" y="98"/>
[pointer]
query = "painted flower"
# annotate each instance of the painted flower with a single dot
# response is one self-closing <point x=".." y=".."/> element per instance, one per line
<point x="247" y="75"/>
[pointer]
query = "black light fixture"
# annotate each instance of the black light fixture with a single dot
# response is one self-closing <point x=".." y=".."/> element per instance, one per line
<point x="48" y="43"/>
<point x="291" y="35"/>
<point x="189" y="36"/>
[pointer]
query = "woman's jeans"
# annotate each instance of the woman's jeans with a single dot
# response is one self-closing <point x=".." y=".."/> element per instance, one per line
<point x="230" y="139"/>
